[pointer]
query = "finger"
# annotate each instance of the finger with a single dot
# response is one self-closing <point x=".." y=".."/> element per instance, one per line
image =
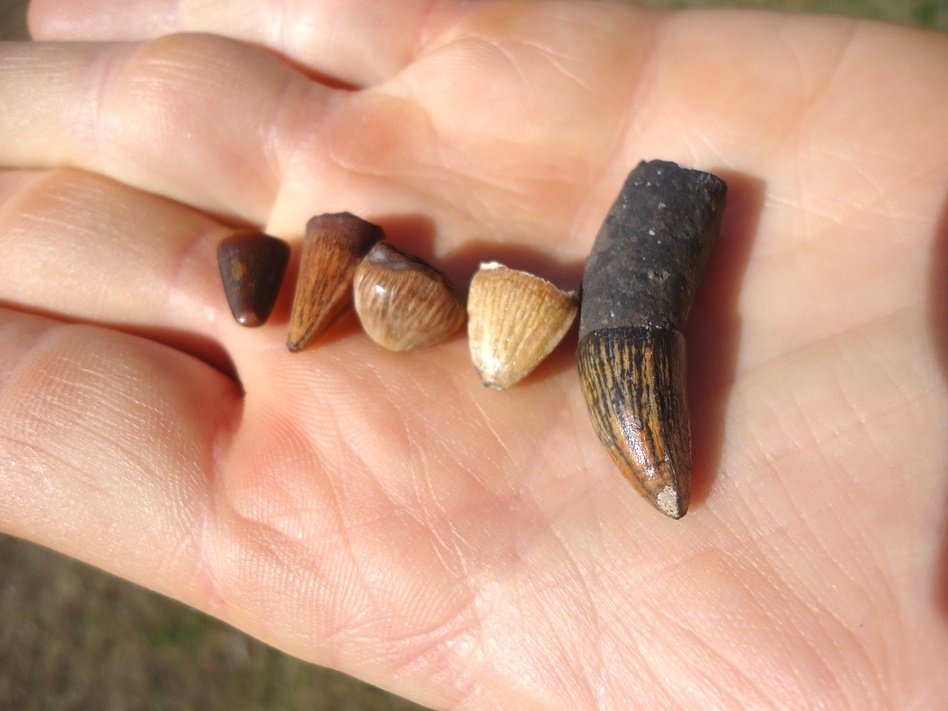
<point x="219" y="126"/>
<point x="358" y="42"/>
<point x="199" y="119"/>
<point x="234" y="131"/>
<point x="108" y="433"/>
<point x="84" y="248"/>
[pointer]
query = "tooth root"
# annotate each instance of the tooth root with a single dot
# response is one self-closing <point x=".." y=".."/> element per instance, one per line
<point x="639" y="285"/>
<point x="403" y="302"/>
<point x="515" y="320"/>
<point x="634" y="383"/>
<point x="334" y="245"/>
<point x="252" y="265"/>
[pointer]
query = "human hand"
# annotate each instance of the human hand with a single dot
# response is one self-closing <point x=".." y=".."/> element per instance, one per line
<point x="383" y="513"/>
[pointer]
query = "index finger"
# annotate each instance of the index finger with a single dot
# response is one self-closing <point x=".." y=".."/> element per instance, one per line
<point x="357" y="42"/>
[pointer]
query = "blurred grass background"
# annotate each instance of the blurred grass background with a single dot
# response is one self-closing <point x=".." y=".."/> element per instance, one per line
<point x="72" y="637"/>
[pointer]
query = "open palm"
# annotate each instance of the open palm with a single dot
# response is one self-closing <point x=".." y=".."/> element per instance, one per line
<point x="384" y="513"/>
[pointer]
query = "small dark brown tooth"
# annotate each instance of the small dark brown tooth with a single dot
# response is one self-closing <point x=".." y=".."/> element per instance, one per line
<point x="640" y="282"/>
<point x="252" y="265"/>
<point x="404" y="302"/>
<point x="634" y="383"/>
<point x="334" y="245"/>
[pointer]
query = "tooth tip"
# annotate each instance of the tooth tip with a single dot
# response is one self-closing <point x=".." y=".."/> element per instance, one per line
<point x="249" y="320"/>
<point x="495" y="383"/>
<point x="669" y="502"/>
<point x="667" y="489"/>
<point x="300" y="338"/>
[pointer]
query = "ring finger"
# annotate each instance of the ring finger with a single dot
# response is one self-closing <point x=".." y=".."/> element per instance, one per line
<point x="78" y="246"/>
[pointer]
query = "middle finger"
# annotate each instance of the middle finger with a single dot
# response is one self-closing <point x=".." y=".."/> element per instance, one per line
<point x="200" y="119"/>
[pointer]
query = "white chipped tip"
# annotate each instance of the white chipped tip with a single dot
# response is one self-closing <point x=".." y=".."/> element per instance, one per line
<point x="667" y="502"/>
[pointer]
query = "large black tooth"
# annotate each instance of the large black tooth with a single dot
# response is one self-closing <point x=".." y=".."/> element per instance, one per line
<point x="638" y="288"/>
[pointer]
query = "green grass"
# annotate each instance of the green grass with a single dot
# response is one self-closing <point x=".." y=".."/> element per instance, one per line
<point x="932" y="14"/>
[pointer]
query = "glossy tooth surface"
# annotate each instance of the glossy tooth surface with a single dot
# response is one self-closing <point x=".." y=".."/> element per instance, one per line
<point x="335" y="244"/>
<point x="252" y="265"/>
<point x="403" y="302"/>
<point x="515" y="320"/>
<point x="638" y="288"/>
<point x="634" y="383"/>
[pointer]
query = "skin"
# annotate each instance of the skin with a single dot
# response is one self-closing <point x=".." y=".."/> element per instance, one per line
<point x="386" y="515"/>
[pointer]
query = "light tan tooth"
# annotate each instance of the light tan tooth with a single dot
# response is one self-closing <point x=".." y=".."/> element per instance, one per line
<point x="404" y="302"/>
<point x="515" y="320"/>
<point x="334" y="245"/>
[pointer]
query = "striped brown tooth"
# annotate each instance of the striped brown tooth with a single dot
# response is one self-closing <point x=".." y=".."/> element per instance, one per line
<point x="252" y="265"/>
<point x="404" y="302"/>
<point x="634" y="383"/>
<point x="515" y="320"/>
<point x="334" y="245"/>
<point x="638" y="288"/>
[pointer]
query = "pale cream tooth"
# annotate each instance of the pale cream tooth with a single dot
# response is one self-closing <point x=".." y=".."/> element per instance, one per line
<point x="515" y="320"/>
